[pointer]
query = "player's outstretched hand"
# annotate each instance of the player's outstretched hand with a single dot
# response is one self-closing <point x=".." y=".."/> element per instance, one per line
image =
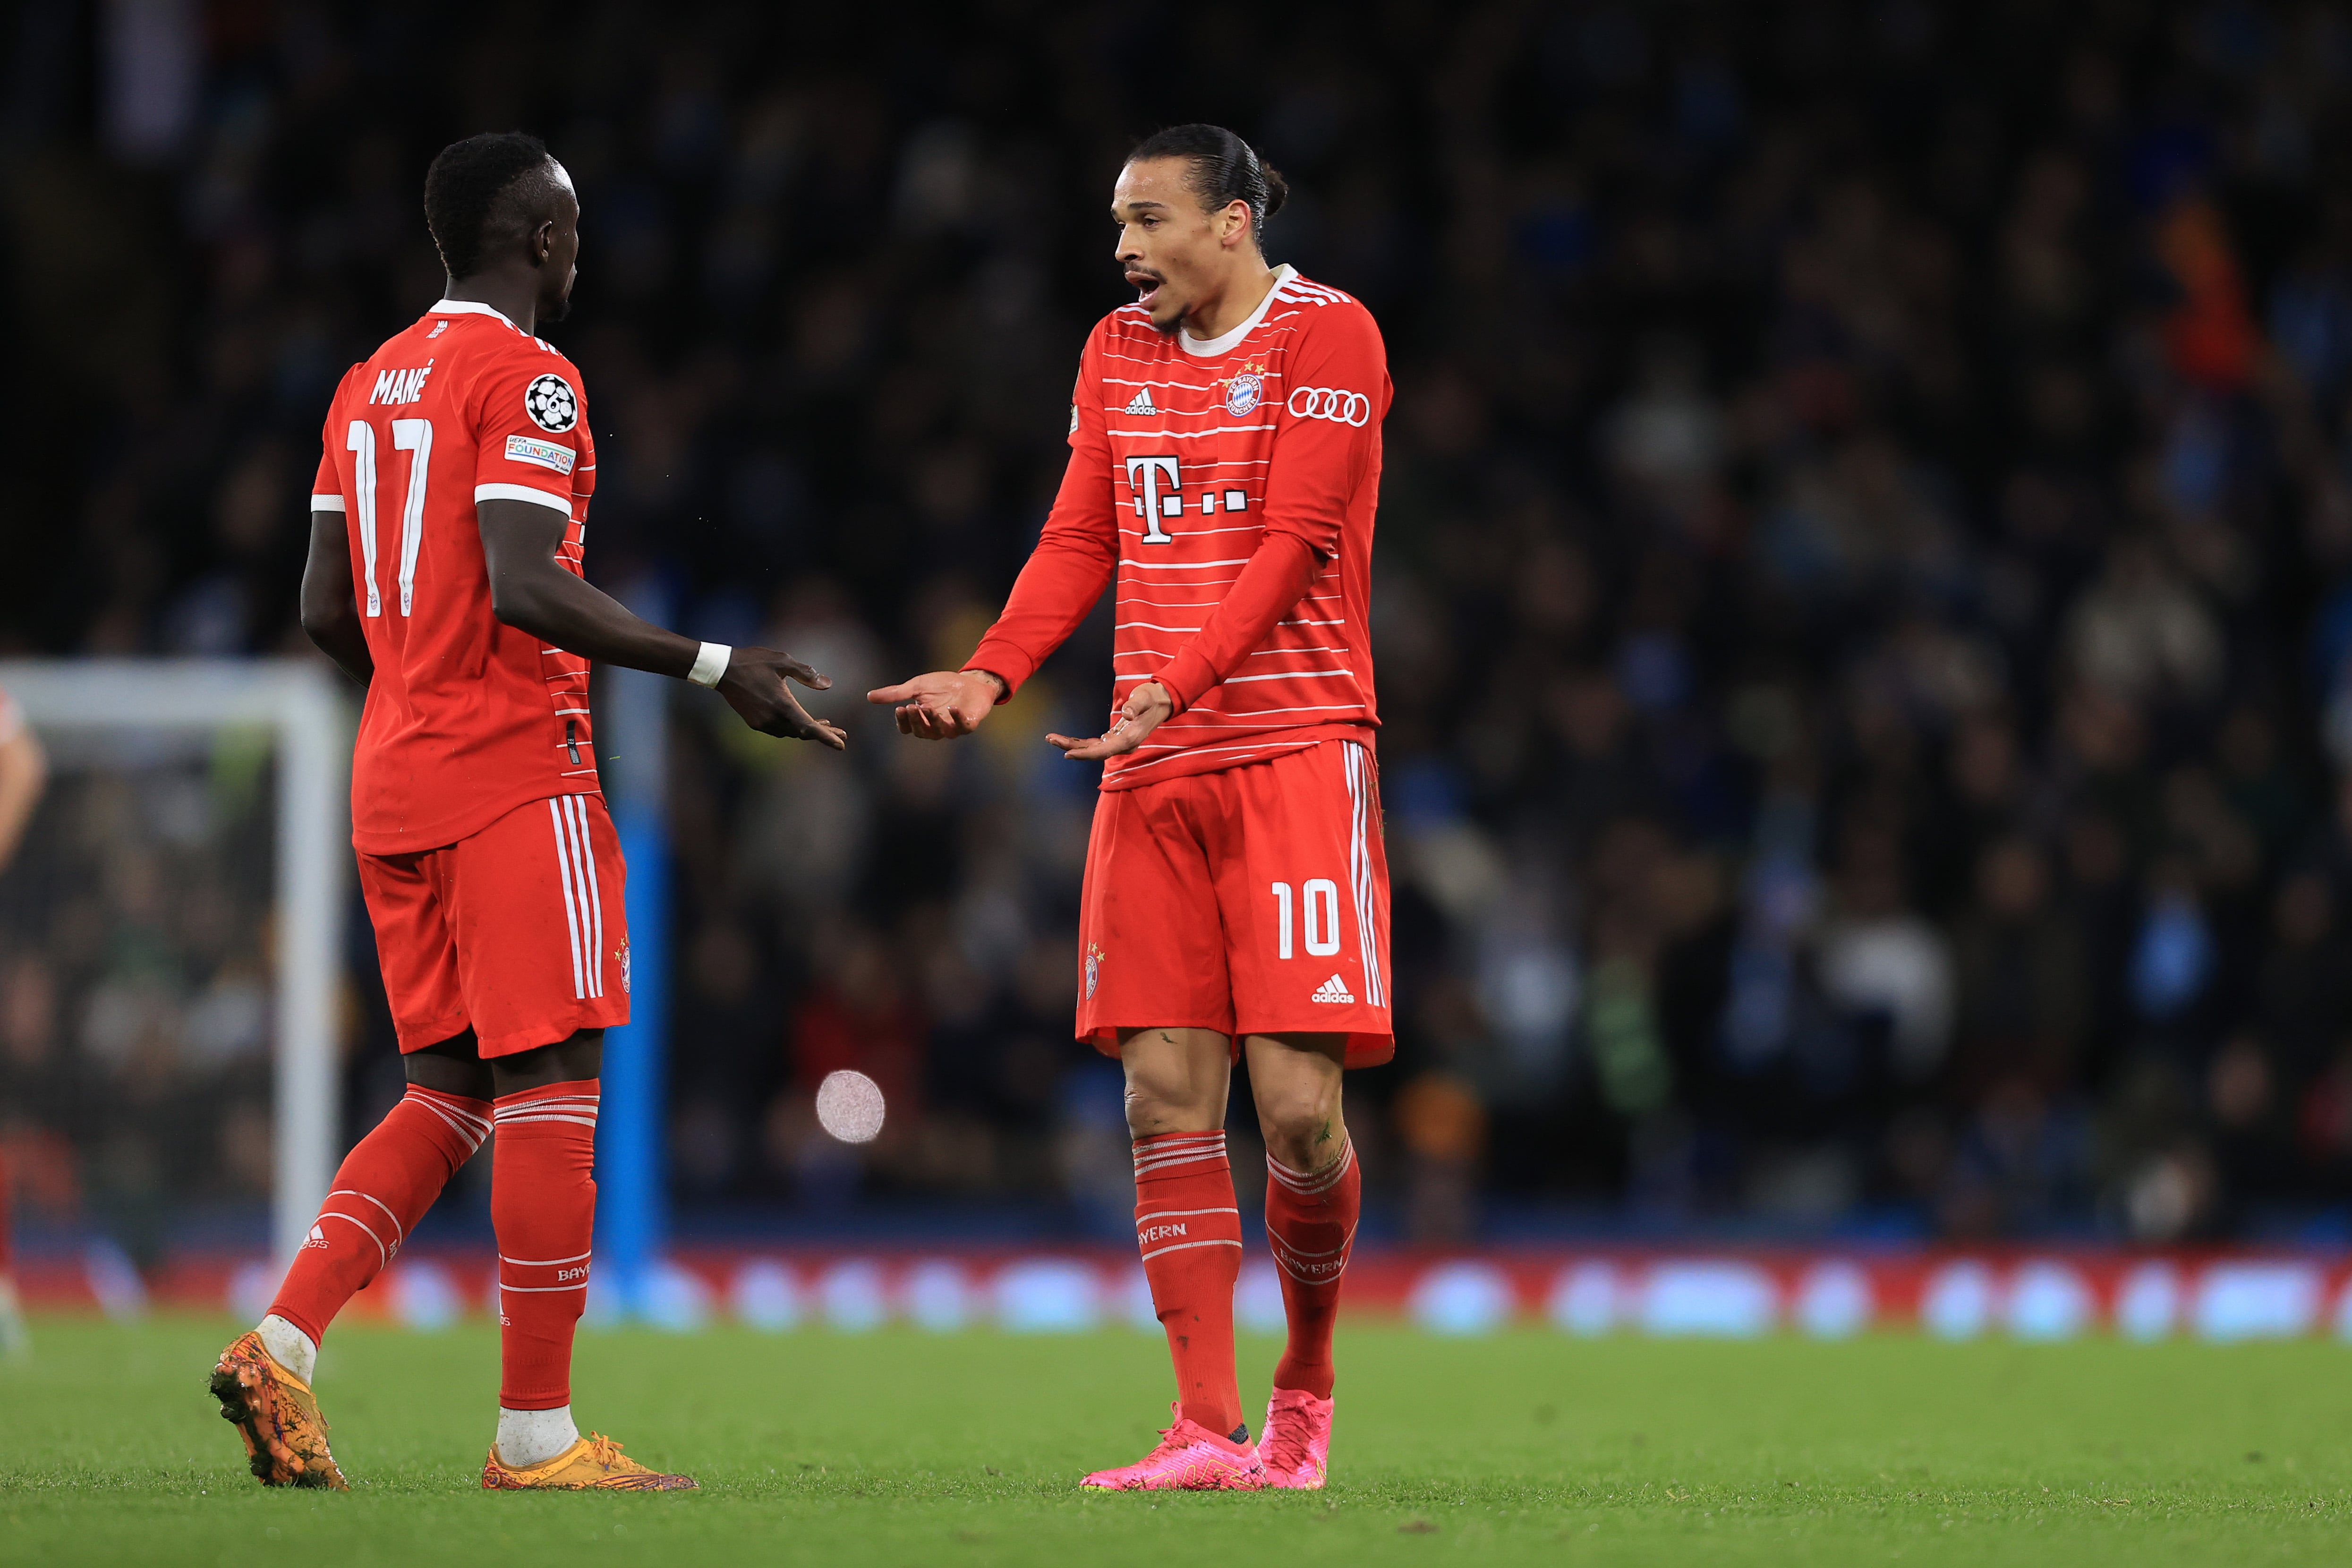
<point x="1147" y="706"/>
<point x="942" y="705"/>
<point x="754" y="687"/>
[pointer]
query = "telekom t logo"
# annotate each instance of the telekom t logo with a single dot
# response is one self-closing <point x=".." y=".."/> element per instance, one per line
<point x="1147" y="474"/>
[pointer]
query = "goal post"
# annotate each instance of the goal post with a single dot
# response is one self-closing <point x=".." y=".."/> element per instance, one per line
<point x="310" y="722"/>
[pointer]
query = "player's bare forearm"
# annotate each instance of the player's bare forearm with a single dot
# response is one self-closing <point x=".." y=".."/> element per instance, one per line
<point x="329" y="612"/>
<point x="532" y="592"/>
<point x="943" y="705"/>
<point x="1147" y="707"/>
<point x="24" y="771"/>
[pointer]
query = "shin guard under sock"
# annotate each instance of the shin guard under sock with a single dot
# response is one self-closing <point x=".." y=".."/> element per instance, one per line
<point x="543" y="1209"/>
<point x="1190" y="1233"/>
<point x="1310" y="1222"/>
<point x="381" y="1190"/>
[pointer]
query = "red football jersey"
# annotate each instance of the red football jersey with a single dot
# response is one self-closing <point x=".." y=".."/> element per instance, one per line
<point x="1184" y="454"/>
<point x="466" y="718"/>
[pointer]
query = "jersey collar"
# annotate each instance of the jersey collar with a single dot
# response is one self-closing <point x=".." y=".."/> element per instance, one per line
<point x="476" y="308"/>
<point x="1209" y="348"/>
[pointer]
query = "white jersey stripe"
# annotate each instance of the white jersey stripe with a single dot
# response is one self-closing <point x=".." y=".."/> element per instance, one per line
<point x="1184" y="565"/>
<point x="571" y="914"/>
<point x="1145" y="1167"/>
<point x="1285" y="675"/>
<point x="1356" y="868"/>
<point x="383" y="1255"/>
<point x="579" y="807"/>
<point x="398" y="1236"/>
<point x="1187" y="1247"/>
<point x="428" y="1097"/>
<point x="472" y="1138"/>
<point x="1191" y="435"/>
<point x="579" y="895"/>
<point x="1248" y="753"/>
<point x="1360" y="873"/>
<point x="457" y="1116"/>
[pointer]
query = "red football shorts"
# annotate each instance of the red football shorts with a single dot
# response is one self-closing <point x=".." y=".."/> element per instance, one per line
<point x="1254" y="900"/>
<point x="516" y="932"/>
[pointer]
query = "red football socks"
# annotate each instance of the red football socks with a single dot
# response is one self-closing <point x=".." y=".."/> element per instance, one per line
<point x="1310" y="1221"/>
<point x="382" y="1190"/>
<point x="543" y="1208"/>
<point x="1190" y="1232"/>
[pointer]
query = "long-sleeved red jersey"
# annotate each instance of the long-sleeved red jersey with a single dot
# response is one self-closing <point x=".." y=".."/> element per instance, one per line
<point x="1230" y="486"/>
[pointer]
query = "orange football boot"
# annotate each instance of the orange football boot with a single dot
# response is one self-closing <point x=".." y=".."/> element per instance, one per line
<point x="594" y="1464"/>
<point x="278" y="1416"/>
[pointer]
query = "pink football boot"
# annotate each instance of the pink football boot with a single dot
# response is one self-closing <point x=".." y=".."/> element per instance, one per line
<point x="1189" y="1459"/>
<point x="1297" y="1443"/>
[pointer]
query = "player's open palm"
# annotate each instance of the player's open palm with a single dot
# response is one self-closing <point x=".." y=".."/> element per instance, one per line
<point x="1147" y="706"/>
<point x="943" y="705"/>
<point x="754" y="687"/>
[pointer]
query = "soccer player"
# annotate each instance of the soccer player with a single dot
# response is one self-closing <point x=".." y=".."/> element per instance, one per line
<point x="1224" y="465"/>
<point x="24" y="771"/>
<point x="446" y="527"/>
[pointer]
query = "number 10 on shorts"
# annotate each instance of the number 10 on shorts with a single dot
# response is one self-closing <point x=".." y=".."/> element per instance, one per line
<point x="1322" y="910"/>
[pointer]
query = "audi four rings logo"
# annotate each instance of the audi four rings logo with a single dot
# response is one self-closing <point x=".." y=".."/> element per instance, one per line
<point x="1328" y="403"/>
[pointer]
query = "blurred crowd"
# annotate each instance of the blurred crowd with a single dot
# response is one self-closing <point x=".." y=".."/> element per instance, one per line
<point x="1863" y="598"/>
<point x="136" y="992"/>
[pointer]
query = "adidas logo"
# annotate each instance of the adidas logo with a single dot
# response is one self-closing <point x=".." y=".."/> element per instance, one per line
<point x="1143" y="403"/>
<point x="1332" y="990"/>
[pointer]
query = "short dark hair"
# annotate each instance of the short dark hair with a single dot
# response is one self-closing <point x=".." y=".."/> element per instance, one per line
<point x="478" y="188"/>
<point x="1225" y="169"/>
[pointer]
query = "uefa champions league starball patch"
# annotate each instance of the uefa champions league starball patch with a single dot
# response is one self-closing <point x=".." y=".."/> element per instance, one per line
<point x="551" y="403"/>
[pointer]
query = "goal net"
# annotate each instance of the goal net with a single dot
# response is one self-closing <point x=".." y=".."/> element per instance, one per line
<point x="170" y="939"/>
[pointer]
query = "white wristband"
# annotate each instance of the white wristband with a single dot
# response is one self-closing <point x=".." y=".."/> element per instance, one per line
<point x="710" y="664"/>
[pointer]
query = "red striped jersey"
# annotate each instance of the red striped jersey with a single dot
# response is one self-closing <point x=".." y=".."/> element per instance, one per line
<point x="466" y="717"/>
<point x="1184" y="454"/>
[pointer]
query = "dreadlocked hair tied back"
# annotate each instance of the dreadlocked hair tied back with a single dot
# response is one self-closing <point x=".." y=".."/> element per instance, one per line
<point x="1225" y="169"/>
<point x="463" y="191"/>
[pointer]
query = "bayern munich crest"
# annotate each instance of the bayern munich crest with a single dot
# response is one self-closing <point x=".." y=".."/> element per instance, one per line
<point x="551" y="403"/>
<point x="1242" y="392"/>
<point x="1094" y="969"/>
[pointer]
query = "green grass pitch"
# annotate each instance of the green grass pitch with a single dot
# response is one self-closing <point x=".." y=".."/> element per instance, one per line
<point x="900" y="1447"/>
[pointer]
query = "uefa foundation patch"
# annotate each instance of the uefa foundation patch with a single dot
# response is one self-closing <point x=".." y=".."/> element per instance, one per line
<point x="542" y="454"/>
